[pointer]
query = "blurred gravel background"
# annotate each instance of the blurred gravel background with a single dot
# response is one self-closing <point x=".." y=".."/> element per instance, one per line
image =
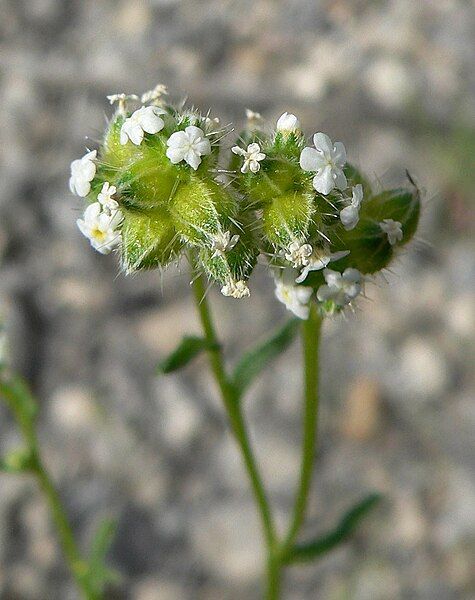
<point x="393" y="79"/>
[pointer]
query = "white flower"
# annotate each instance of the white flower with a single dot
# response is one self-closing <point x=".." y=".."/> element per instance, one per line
<point x="328" y="160"/>
<point x="252" y="156"/>
<point x="254" y="119"/>
<point x="393" y="229"/>
<point x="295" y="297"/>
<point x="288" y="123"/>
<point x="144" y="120"/>
<point x="341" y="288"/>
<point x="223" y="242"/>
<point x="154" y="95"/>
<point x="122" y="99"/>
<point x="82" y="173"/>
<point x="350" y="215"/>
<point x="235" y="289"/>
<point x="101" y="228"/>
<point x="188" y="145"/>
<point x="105" y="197"/>
<point x="299" y="254"/>
<point x="319" y="260"/>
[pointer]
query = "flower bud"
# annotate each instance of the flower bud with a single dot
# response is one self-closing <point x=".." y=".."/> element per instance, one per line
<point x="201" y="209"/>
<point x="149" y="240"/>
<point x="287" y="123"/>
<point x="287" y="218"/>
<point x="370" y="247"/>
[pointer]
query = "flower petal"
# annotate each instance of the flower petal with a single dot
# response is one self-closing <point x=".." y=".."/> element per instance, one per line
<point x="179" y="139"/>
<point x="323" y="181"/>
<point x="203" y="146"/>
<point x="92" y="212"/>
<point x="310" y="159"/>
<point x="339" y="154"/>
<point x="349" y="217"/>
<point x="193" y="159"/>
<point x="83" y="187"/>
<point x="194" y="132"/>
<point x="322" y="142"/>
<point x="340" y="181"/>
<point x="253" y="148"/>
<point x="175" y="155"/>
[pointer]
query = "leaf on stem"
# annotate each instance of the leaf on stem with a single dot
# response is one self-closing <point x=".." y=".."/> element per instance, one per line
<point x="98" y="574"/>
<point x="255" y="360"/>
<point x="17" y="461"/>
<point x="342" y="532"/>
<point x="19" y="399"/>
<point x="188" y="348"/>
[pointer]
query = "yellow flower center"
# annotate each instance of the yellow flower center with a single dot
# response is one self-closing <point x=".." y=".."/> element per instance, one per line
<point x="98" y="235"/>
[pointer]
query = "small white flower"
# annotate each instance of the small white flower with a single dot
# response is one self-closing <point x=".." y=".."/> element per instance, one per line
<point x="288" y="123"/>
<point x="236" y="289"/>
<point x="83" y="171"/>
<point x="154" y="95"/>
<point x="254" y="119"/>
<point x="105" y="197"/>
<point x="144" y="120"/>
<point x="295" y="297"/>
<point x="328" y="160"/>
<point x="350" y="215"/>
<point x="252" y="156"/>
<point x="223" y="242"/>
<point x="319" y="260"/>
<point x="188" y="145"/>
<point x="393" y="229"/>
<point x="122" y="99"/>
<point x="100" y="228"/>
<point x="299" y="254"/>
<point x="341" y="288"/>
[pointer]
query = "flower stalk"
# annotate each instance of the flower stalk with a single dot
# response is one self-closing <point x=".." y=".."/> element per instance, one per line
<point x="310" y="330"/>
<point x="234" y="411"/>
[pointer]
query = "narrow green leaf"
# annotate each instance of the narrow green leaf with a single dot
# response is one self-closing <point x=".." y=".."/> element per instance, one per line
<point x="188" y="348"/>
<point x="102" y="541"/>
<point x="255" y="360"/>
<point x="345" y="528"/>
<point x="98" y="574"/>
<point x="19" y="400"/>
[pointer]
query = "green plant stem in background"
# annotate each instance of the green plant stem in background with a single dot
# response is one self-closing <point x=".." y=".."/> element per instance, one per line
<point x="23" y="407"/>
<point x="276" y="552"/>
<point x="77" y="565"/>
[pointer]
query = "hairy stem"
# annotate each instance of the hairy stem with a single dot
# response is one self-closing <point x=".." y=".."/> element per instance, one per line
<point x="233" y="408"/>
<point x="310" y="338"/>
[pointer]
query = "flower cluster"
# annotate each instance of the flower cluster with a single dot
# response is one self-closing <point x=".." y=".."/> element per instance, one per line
<point x="158" y="187"/>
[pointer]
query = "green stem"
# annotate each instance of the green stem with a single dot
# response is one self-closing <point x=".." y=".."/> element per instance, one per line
<point x="310" y="337"/>
<point x="77" y="565"/>
<point x="231" y="403"/>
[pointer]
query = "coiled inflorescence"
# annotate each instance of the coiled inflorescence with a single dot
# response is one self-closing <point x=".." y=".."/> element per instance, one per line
<point x="159" y="187"/>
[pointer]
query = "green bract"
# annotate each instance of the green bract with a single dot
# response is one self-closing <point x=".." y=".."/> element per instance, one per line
<point x="159" y="192"/>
